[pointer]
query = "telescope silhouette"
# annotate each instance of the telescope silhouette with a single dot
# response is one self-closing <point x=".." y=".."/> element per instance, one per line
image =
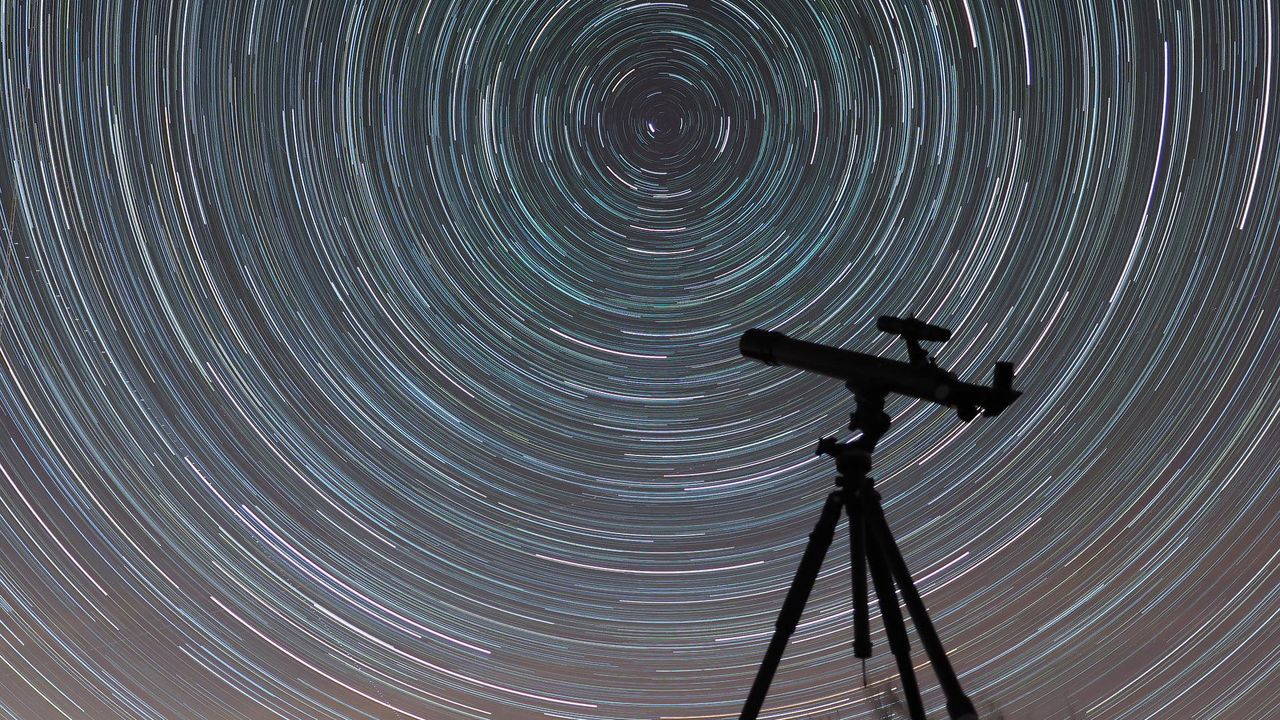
<point x="872" y="547"/>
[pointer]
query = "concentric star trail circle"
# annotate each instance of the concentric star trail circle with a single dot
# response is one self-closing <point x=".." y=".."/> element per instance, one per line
<point x="379" y="360"/>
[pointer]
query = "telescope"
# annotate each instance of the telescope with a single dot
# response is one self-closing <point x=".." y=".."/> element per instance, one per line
<point x="872" y="547"/>
<point x="873" y="375"/>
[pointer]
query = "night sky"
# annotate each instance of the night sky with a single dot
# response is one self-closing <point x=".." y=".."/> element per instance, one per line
<point x="379" y="359"/>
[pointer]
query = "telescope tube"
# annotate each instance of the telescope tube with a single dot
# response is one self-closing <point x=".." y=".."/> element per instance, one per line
<point x="873" y="374"/>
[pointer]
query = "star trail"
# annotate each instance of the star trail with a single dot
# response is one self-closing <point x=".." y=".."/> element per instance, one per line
<point x="379" y="359"/>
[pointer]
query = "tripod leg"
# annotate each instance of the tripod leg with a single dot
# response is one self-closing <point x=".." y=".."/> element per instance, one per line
<point x="894" y="627"/>
<point x="793" y="606"/>
<point x="858" y="566"/>
<point x="959" y="706"/>
<point x="858" y="558"/>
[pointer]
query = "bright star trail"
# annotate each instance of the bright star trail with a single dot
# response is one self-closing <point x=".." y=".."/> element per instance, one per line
<point x="379" y="360"/>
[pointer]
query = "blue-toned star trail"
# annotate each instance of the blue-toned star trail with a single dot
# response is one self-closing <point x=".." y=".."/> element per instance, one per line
<point x="379" y="359"/>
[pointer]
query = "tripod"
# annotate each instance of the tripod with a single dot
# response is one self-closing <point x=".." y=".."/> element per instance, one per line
<point x="871" y="546"/>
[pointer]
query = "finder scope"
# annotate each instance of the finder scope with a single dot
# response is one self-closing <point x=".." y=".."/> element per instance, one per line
<point x="873" y="375"/>
<point x="910" y="327"/>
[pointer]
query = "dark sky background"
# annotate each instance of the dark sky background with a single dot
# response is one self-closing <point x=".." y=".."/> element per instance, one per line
<point x="379" y="360"/>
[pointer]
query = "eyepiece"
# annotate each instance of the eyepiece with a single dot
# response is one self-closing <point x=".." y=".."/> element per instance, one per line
<point x="912" y="329"/>
<point x="1002" y="380"/>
